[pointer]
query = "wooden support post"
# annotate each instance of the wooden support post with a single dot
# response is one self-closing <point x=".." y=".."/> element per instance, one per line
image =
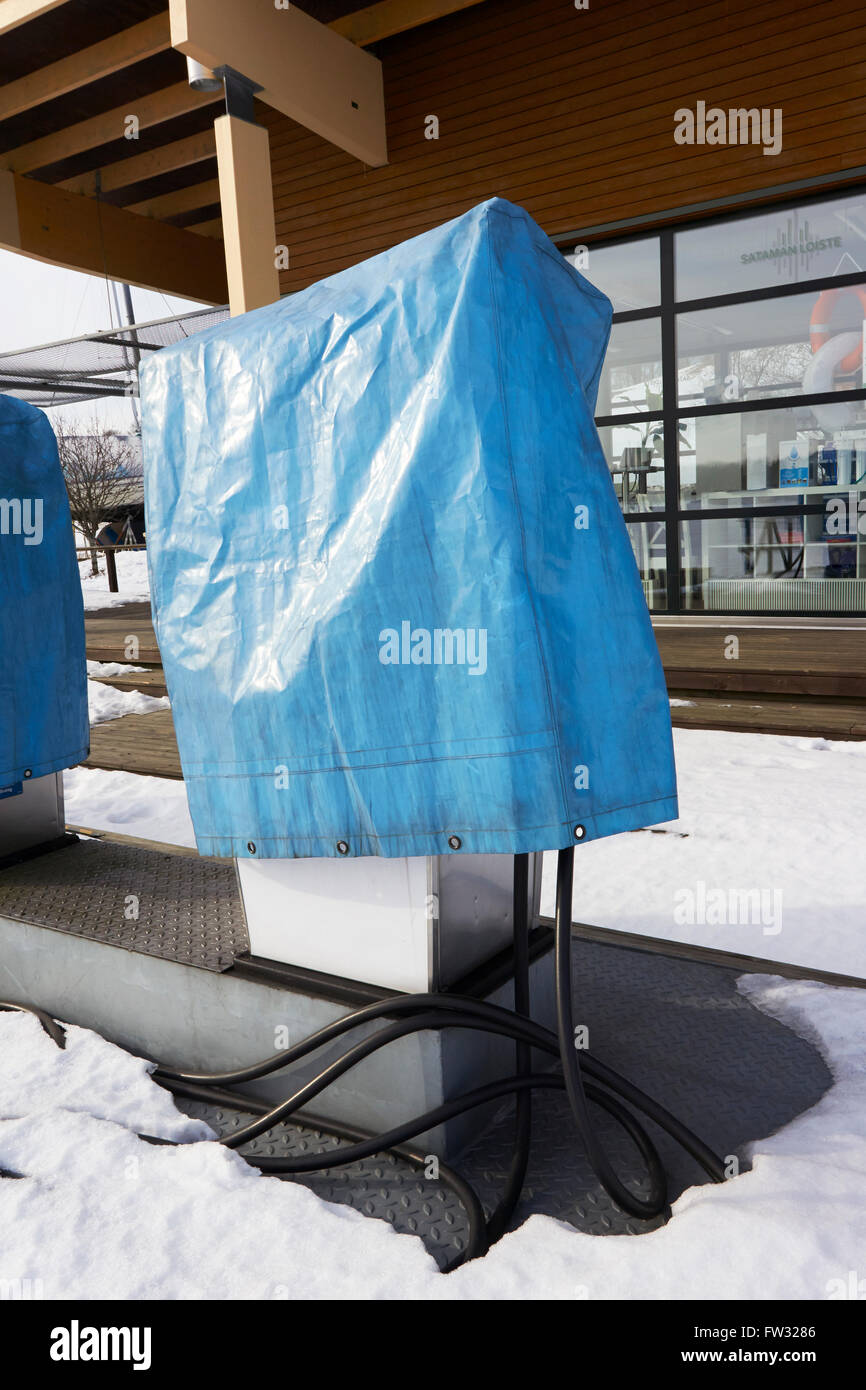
<point x="247" y="198"/>
<point x="111" y="570"/>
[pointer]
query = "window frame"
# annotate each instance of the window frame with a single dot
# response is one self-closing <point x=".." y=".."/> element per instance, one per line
<point x="673" y="514"/>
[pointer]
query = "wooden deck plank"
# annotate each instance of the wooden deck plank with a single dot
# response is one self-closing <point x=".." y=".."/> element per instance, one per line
<point x="841" y="719"/>
<point x="143" y="743"/>
<point x="108" y="632"/>
<point x="811" y="652"/>
<point x="150" y="682"/>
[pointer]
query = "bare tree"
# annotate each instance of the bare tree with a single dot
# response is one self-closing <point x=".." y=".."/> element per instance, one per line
<point x="99" y="466"/>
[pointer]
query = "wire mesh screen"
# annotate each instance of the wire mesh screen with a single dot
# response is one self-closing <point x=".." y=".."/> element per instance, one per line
<point x="97" y="365"/>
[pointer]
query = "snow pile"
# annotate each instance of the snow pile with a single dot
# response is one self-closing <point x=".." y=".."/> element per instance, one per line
<point x="107" y="1215"/>
<point x="113" y="668"/>
<point x="132" y="581"/>
<point x="154" y="808"/>
<point x="104" y="702"/>
<point x="89" y="1076"/>
<point x="100" y="1214"/>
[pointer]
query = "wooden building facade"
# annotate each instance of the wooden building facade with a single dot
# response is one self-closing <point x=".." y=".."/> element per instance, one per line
<point x="698" y="160"/>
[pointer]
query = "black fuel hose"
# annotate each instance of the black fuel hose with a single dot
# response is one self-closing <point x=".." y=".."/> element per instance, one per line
<point x="419" y="1012"/>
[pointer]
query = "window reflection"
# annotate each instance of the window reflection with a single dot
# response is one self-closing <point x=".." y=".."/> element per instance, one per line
<point x="801" y="563"/>
<point x="798" y="345"/>
<point x="780" y="246"/>
<point x="628" y="273"/>
<point x="632" y="376"/>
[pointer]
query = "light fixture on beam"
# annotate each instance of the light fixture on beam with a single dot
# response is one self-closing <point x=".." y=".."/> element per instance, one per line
<point x="200" y="78"/>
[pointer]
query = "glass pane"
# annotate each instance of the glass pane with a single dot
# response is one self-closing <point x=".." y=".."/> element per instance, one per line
<point x="648" y="544"/>
<point x="634" y="453"/>
<point x="628" y="273"/>
<point x="778" y="247"/>
<point x="772" y="455"/>
<point x="798" y="345"/>
<point x="632" y="375"/>
<point x="790" y="564"/>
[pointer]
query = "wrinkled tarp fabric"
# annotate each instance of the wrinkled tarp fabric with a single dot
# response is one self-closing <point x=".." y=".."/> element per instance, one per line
<point x="385" y="619"/>
<point x="43" y="676"/>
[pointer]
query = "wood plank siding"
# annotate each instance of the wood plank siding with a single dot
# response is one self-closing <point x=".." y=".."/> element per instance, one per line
<point x="571" y="114"/>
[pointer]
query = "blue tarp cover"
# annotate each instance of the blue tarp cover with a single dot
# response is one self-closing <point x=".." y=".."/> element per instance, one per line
<point x="394" y="593"/>
<point x="43" y="682"/>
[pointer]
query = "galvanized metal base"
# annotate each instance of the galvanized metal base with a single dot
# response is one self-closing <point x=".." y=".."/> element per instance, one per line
<point x="679" y="1030"/>
<point x="182" y="990"/>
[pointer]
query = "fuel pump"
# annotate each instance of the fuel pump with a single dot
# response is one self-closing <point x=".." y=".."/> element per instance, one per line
<point x="408" y="650"/>
<point x="43" y="684"/>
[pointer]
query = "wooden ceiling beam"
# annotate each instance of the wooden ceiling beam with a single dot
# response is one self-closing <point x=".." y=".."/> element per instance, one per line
<point x="62" y="228"/>
<point x="163" y="160"/>
<point x="301" y="67"/>
<point x="389" y="17"/>
<point x="15" y="12"/>
<point x="213" y="227"/>
<point x="199" y="195"/>
<point x="149" y="110"/>
<point x="87" y="65"/>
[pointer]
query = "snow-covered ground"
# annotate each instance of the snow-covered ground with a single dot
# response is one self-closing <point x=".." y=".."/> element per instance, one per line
<point x="132" y="581"/>
<point x="154" y="808"/>
<point x="100" y="1214"/>
<point x="764" y="859"/>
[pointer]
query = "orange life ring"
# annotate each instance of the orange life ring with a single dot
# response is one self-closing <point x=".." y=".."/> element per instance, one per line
<point x="819" y="324"/>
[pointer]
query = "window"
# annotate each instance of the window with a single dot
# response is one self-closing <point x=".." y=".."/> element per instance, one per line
<point x="627" y="273"/>
<point x="780" y="247"/>
<point x="732" y="407"/>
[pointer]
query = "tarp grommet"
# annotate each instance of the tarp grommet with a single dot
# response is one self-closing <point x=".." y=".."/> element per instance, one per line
<point x="455" y="842"/>
<point x="342" y="847"/>
<point x="579" y="832"/>
<point x="251" y="849"/>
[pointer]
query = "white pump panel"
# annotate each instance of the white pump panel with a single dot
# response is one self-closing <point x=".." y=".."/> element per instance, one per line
<point x="410" y="924"/>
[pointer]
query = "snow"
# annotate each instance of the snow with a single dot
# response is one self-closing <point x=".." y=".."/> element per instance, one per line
<point x="132" y="581"/>
<point x="153" y="808"/>
<point x="104" y="702"/>
<point x="101" y="1214"/>
<point x="112" y="668"/>
<point x="773" y="818"/>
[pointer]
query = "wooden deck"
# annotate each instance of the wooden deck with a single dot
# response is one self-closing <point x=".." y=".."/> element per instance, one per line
<point x="753" y="714"/>
<point x="786" y="656"/>
<point x="150" y="682"/>
<point x="804" y="677"/>
<point x="136" y="743"/>
<point x="111" y="634"/>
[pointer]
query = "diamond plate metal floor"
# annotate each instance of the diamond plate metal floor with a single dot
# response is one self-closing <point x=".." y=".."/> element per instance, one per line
<point x="175" y="906"/>
<point x="676" y="1028"/>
